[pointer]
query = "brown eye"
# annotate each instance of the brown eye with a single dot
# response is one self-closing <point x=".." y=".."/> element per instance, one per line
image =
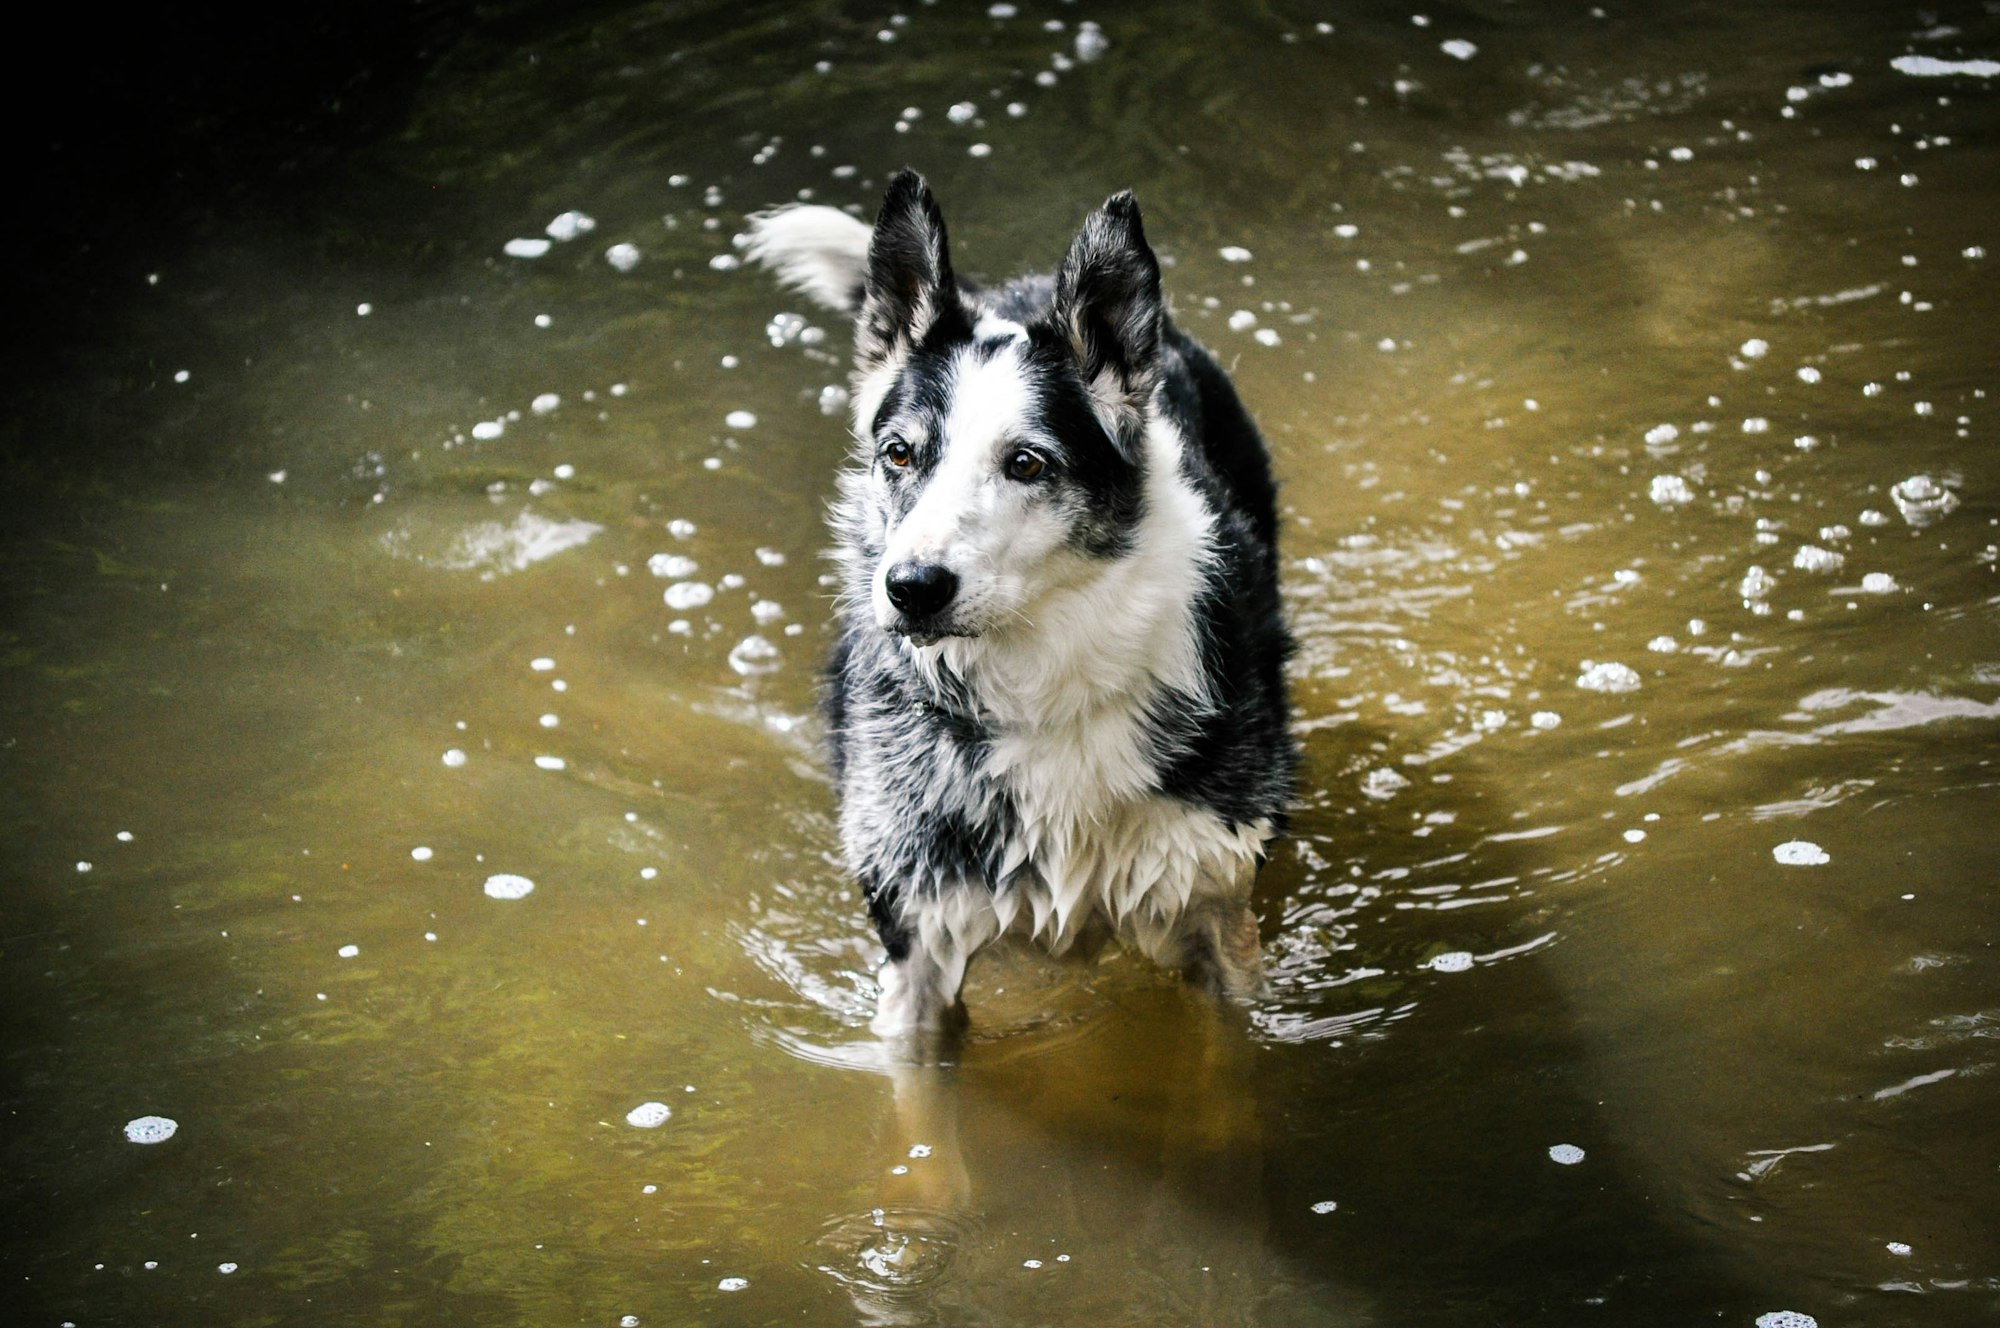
<point x="1024" y="465"/>
<point x="898" y="452"/>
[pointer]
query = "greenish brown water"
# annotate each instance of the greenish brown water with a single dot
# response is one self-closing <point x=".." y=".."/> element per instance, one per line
<point x="1567" y="338"/>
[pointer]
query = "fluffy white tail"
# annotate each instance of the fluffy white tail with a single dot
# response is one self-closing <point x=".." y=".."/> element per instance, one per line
<point x="820" y="251"/>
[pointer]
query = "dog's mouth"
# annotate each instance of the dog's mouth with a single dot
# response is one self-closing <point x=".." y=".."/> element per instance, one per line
<point x="923" y="635"/>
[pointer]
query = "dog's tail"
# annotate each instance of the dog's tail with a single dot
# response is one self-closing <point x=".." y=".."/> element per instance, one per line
<point x="819" y="251"/>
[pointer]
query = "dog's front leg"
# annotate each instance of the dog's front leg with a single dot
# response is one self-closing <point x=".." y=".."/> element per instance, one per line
<point x="1221" y="950"/>
<point x="918" y="995"/>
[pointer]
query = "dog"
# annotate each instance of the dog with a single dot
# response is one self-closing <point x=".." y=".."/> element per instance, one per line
<point x="1056" y="705"/>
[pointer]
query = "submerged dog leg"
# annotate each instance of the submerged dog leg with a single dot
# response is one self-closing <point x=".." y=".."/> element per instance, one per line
<point x="919" y="997"/>
<point x="1223" y="952"/>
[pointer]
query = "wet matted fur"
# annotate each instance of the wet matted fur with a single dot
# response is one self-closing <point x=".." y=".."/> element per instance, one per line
<point x="1057" y="704"/>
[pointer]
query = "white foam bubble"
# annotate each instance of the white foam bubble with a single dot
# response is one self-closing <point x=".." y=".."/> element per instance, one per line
<point x="672" y="566"/>
<point x="740" y="419"/>
<point x="550" y="763"/>
<point x="1670" y="491"/>
<point x="1661" y="434"/>
<point x="487" y="430"/>
<point x="961" y="112"/>
<point x="1663" y="645"/>
<point x="545" y="403"/>
<point x="1922" y="499"/>
<point x="1567" y="1155"/>
<point x="225" y="1268"/>
<point x="624" y="257"/>
<point x="1927" y="66"/>
<point x="569" y="225"/>
<point x="1382" y="783"/>
<point x="349" y="951"/>
<point x="1242" y="321"/>
<point x="1756" y="348"/>
<point x="1786" y="1319"/>
<point x="1800" y="853"/>
<point x="1091" y="43"/>
<point x="649" y="1115"/>
<point x="1325" y="1206"/>
<point x="1756" y="584"/>
<point x="1266" y="336"/>
<point x="151" y="1129"/>
<point x="526" y="247"/>
<point x="1608" y="676"/>
<point x="421" y="853"/>
<point x="506" y="885"/>
<point x="1451" y="961"/>
<point x="1458" y="48"/>
<point x="1545" y="719"/>
<point x="1812" y="558"/>
<point x="732" y="1284"/>
<point x="1878" y="583"/>
<point x="1234" y="253"/>
<point x="684" y="595"/>
<point x="754" y="655"/>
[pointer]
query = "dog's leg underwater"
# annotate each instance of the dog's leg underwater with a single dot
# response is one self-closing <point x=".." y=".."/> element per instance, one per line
<point x="918" y="997"/>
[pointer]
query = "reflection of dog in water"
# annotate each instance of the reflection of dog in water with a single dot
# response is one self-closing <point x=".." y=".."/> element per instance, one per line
<point x="1057" y="704"/>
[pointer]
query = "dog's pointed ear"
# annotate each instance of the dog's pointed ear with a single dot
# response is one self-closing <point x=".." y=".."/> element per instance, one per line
<point x="909" y="282"/>
<point x="1108" y="305"/>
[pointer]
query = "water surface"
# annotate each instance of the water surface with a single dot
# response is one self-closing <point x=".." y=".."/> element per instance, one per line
<point x="1630" y="381"/>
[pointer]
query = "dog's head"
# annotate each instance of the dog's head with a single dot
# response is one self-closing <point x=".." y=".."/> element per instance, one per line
<point x="1003" y="435"/>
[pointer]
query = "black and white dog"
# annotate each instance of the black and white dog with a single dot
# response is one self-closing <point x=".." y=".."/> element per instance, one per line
<point x="1057" y="705"/>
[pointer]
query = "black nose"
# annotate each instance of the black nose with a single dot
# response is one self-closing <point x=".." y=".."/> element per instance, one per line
<point x="920" y="589"/>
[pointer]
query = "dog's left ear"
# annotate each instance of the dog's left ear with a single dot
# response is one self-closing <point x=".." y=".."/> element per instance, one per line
<point x="1109" y="308"/>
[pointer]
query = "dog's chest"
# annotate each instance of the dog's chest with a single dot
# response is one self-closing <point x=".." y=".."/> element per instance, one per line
<point x="1092" y="832"/>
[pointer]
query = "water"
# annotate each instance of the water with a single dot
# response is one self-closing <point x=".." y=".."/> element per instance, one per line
<point x="1632" y="956"/>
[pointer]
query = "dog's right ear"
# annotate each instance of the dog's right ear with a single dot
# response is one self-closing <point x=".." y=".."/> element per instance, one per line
<point x="909" y="285"/>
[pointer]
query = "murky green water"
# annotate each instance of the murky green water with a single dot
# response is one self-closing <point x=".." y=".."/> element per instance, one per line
<point x="1558" y="339"/>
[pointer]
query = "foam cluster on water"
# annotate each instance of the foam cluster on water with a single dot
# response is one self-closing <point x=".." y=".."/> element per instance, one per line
<point x="151" y="1129"/>
<point x="1607" y="676"/>
<point x="506" y="885"/>
<point x="649" y="1115"/>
